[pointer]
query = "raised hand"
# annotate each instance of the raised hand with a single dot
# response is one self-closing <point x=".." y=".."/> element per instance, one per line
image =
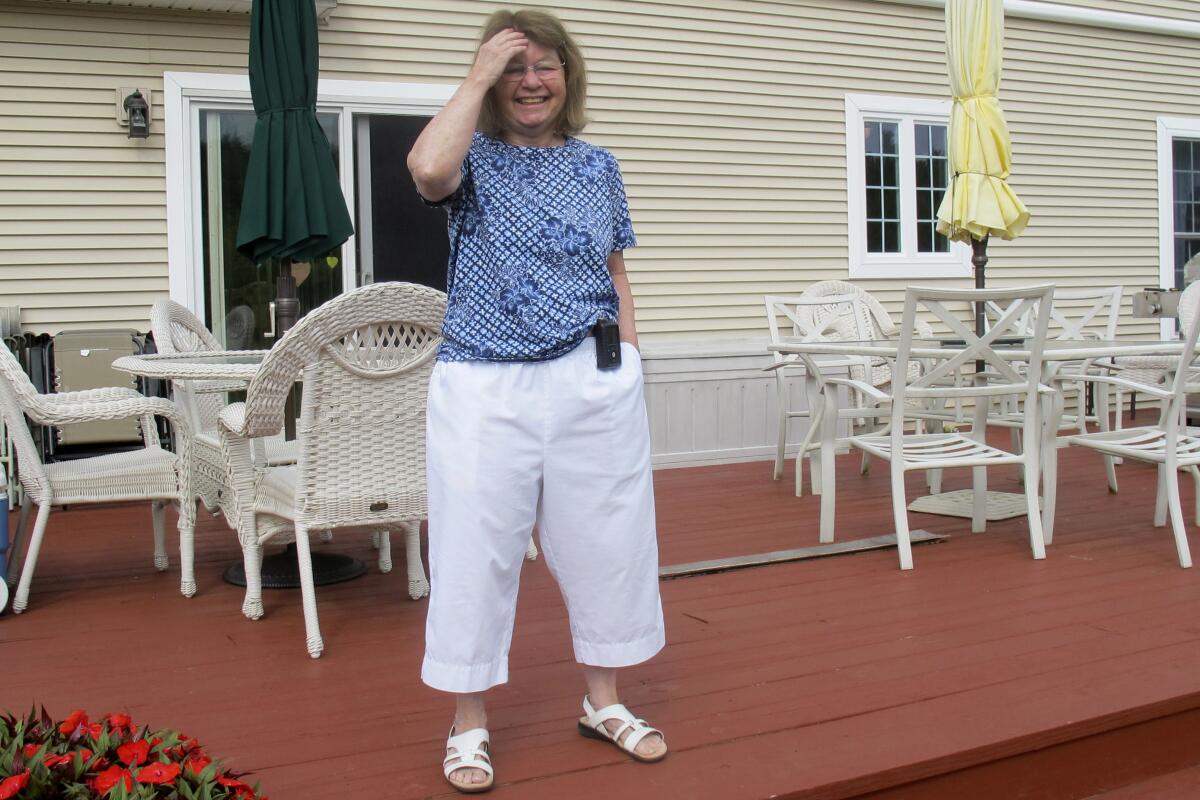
<point x="494" y="55"/>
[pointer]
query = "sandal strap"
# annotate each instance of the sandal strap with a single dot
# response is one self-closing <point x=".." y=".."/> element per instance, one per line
<point x="469" y="752"/>
<point x="637" y="728"/>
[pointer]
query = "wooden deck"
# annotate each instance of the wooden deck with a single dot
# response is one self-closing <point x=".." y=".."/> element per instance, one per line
<point x="981" y="673"/>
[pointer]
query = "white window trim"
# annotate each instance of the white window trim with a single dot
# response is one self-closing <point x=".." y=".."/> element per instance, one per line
<point x="1168" y="129"/>
<point x="185" y="93"/>
<point x="905" y="110"/>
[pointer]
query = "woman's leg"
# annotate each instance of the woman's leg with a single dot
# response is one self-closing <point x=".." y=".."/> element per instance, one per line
<point x="470" y="713"/>
<point x="602" y="691"/>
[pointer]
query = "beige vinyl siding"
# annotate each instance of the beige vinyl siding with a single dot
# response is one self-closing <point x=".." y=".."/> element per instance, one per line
<point x="1170" y="9"/>
<point x="727" y="117"/>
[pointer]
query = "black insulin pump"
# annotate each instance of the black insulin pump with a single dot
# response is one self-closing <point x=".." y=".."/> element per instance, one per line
<point x="608" y="344"/>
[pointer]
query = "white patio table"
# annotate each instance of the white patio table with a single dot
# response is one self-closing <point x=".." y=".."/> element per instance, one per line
<point x="1056" y="354"/>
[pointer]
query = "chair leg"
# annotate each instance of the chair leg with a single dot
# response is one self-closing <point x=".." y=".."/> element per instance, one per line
<point x="934" y="478"/>
<point x="1110" y="462"/>
<point x="978" y="499"/>
<point x="252" y="605"/>
<point x="187" y="548"/>
<point x="308" y="594"/>
<point x="1196" y="489"/>
<point x="1160" y="498"/>
<point x="21" y="599"/>
<point x="418" y="584"/>
<point x="16" y="539"/>
<point x="780" y="443"/>
<point x="384" y="540"/>
<point x="1177" y="524"/>
<point x="158" y="512"/>
<point x="900" y="513"/>
<point x="828" y="465"/>
<point x="531" y="552"/>
<point x="1048" y="455"/>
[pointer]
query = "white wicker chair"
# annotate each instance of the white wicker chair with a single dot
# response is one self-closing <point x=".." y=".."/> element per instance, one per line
<point x="148" y="473"/>
<point x="944" y="450"/>
<point x="178" y="330"/>
<point x="366" y="357"/>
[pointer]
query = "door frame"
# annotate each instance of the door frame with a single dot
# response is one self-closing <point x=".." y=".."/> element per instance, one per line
<point x="1169" y="129"/>
<point x="185" y="94"/>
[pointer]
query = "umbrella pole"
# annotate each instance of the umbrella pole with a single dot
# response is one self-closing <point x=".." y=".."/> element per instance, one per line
<point x="979" y="260"/>
<point x="287" y="312"/>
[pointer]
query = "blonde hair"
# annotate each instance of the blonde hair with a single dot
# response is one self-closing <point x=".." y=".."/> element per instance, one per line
<point x="544" y="29"/>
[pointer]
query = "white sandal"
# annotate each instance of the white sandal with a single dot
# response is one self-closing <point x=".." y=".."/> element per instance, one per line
<point x="470" y="752"/>
<point x="592" y="726"/>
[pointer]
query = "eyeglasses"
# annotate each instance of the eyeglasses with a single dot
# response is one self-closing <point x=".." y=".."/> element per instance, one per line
<point x="545" y="70"/>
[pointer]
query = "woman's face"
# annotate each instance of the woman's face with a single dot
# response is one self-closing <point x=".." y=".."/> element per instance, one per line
<point x="530" y="96"/>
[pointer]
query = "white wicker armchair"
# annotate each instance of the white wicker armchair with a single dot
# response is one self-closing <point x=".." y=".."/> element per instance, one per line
<point x="148" y="473"/>
<point x="366" y="357"/>
<point x="178" y="330"/>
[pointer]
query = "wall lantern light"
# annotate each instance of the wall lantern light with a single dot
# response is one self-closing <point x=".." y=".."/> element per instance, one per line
<point x="133" y="111"/>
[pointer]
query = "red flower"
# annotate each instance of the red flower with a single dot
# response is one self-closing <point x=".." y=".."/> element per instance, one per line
<point x="76" y="720"/>
<point x="119" y="722"/>
<point x="196" y="763"/>
<point x="239" y="789"/>
<point x="30" y="749"/>
<point x="85" y="755"/>
<point x="52" y="761"/>
<point x="105" y="781"/>
<point x="10" y="786"/>
<point x="158" y="773"/>
<point x="134" y="753"/>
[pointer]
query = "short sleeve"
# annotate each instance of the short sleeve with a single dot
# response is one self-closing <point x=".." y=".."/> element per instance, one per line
<point x="622" y="234"/>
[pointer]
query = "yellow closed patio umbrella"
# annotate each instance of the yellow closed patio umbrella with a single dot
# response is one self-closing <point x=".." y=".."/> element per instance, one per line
<point x="979" y="202"/>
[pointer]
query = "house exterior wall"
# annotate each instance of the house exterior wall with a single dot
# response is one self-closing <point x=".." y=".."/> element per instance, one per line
<point x="728" y="120"/>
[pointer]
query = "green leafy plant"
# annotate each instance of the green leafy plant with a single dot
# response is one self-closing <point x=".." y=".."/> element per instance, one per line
<point x="78" y="759"/>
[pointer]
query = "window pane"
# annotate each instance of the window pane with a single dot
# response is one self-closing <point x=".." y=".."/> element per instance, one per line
<point x="891" y="137"/>
<point x="923" y="201"/>
<point x="874" y="237"/>
<point x="937" y="136"/>
<point x="921" y="142"/>
<point x="940" y="181"/>
<point x="891" y="237"/>
<point x="924" y="238"/>
<point x="871" y="133"/>
<point x="874" y="171"/>
<point x="874" y="204"/>
<point x="891" y="204"/>
<point x="1183" y="154"/>
<point x="891" y="171"/>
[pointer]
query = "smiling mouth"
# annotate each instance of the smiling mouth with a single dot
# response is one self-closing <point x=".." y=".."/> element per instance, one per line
<point x="530" y="101"/>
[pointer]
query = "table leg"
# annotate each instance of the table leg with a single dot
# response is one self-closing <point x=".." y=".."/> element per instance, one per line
<point x="1049" y="456"/>
<point x="829" y="422"/>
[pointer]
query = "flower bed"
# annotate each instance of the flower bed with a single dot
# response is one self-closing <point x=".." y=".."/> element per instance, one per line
<point x="79" y="759"/>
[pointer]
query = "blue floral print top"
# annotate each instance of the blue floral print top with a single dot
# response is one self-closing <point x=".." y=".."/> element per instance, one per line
<point x="530" y="233"/>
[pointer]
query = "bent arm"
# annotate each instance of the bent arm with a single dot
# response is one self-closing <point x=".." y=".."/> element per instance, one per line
<point x="625" y="315"/>
<point x="436" y="158"/>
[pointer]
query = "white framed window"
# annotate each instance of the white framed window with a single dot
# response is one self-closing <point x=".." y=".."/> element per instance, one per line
<point x="209" y="124"/>
<point x="897" y="171"/>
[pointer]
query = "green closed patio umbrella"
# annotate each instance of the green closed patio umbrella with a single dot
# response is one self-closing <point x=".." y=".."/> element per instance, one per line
<point x="292" y="206"/>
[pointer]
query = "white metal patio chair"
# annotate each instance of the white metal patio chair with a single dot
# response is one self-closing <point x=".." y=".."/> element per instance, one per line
<point x="907" y="451"/>
<point x="1168" y="444"/>
<point x="366" y="357"/>
<point x="147" y="473"/>
<point x="1076" y="314"/>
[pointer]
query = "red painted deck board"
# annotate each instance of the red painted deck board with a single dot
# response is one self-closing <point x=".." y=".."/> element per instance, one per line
<point x="825" y="678"/>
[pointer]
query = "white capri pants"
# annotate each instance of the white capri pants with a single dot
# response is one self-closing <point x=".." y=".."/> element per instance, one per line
<point x="560" y="444"/>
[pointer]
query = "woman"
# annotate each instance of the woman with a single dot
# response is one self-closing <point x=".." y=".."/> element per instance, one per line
<point x="526" y="424"/>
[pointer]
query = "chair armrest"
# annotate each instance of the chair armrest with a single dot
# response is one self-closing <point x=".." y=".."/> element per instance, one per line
<point x="1112" y="380"/>
<point x="57" y="412"/>
<point x="861" y="386"/>
<point x="233" y="419"/>
<point x="93" y="395"/>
